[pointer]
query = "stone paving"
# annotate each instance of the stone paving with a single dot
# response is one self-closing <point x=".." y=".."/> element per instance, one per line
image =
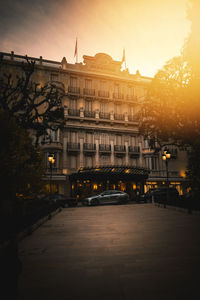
<point x="136" y="251"/>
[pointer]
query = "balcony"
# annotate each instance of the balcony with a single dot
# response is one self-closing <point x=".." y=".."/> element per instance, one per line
<point x="103" y="115"/>
<point x="134" y="150"/>
<point x="73" y="147"/>
<point x="74" y="112"/>
<point x="55" y="171"/>
<point x="105" y="148"/>
<point x="51" y="145"/>
<point x="89" y="147"/>
<point x="89" y="114"/>
<point x="148" y="151"/>
<point x="131" y="97"/>
<point x="103" y="94"/>
<point x="119" y="117"/>
<point x="89" y="92"/>
<point x="118" y="96"/>
<point x="163" y="174"/>
<point x="74" y="90"/>
<point x="119" y="150"/>
<point x="132" y="118"/>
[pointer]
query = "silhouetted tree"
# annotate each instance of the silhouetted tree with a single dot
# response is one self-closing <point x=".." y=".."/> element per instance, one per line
<point x="35" y="107"/>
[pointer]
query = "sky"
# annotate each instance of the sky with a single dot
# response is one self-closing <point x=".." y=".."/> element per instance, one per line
<point x="151" y="31"/>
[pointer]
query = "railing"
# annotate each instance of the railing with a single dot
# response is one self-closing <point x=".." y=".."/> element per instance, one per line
<point x="55" y="171"/>
<point x="132" y="118"/>
<point x="134" y="149"/>
<point x="74" y="112"/>
<point x="104" y="148"/>
<point x="74" y="90"/>
<point x="89" y="147"/>
<point x="119" y="148"/>
<point x="104" y="94"/>
<point x="119" y="117"/>
<point x="73" y="146"/>
<point x="163" y="173"/>
<point x="89" y="92"/>
<point x="118" y="96"/>
<point x="89" y="114"/>
<point x="103" y="115"/>
<point x="131" y="97"/>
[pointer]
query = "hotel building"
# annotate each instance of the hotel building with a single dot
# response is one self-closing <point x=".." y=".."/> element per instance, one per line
<point x="100" y="146"/>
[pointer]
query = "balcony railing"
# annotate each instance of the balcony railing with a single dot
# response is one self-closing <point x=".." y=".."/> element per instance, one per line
<point x="132" y="118"/>
<point x="52" y="145"/>
<point x="131" y="97"/>
<point x="103" y="115"/>
<point x="118" y="96"/>
<point x="163" y="173"/>
<point x="103" y="94"/>
<point x="89" y="147"/>
<point x="119" y="148"/>
<point x="73" y="147"/>
<point x="119" y="117"/>
<point x="74" y="112"/>
<point x="104" y="148"/>
<point x="74" y="90"/>
<point x="89" y="114"/>
<point x="89" y="92"/>
<point x="134" y="150"/>
<point x="55" y="171"/>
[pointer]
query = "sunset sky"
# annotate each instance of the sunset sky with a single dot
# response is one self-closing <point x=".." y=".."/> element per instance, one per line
<point x="151" y="31"/>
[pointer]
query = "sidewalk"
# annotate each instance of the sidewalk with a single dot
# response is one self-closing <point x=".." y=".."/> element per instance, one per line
<point x="113" y="252"/>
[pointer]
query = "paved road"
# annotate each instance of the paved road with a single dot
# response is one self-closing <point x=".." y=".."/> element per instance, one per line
<point x="113" y="252"/>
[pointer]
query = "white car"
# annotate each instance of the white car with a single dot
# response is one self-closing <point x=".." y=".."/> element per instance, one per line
<point x="111" y="196"/>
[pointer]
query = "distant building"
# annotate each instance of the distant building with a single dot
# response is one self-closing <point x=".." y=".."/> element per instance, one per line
<point x="100" y="147"/>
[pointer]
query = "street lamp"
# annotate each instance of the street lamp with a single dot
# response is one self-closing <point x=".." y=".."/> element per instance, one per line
<point x="166" y="156"/>
<point x="51" y="162"/>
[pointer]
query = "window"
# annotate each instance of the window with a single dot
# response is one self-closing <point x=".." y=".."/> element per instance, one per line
<point x="131" y="110"/>
<point x="88" y="105"/>
<point x="130" y="91"/>
<point x="118" y="140"/>
<point x="105" y="160"/>
<point x="73" y="104"/>
<point x="88" y="84"/>
<point x="103" y="107"/>
<point x="104" y="138"/>
<point x="89" y="162"/>
<point x="116" y="89"/>
<point x="54" y="137"/>
<point x="54" y="77"/>
<point x="118" y="109"/>
<point x="89" y="138"/>
<point x="103" y="86"/>
<point x="73" y="137"/>
<point x="73" y="81"/>
<point x="154" y="163"/>
<point x="73" y="162"/>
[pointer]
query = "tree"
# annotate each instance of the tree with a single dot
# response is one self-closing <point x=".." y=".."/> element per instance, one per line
<point x="170" y="113"/>
<point x="36" y="108"/>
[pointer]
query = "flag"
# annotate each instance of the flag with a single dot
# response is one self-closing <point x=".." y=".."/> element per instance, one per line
<point x="123" y="57"/>
<point x="76" y="49"/>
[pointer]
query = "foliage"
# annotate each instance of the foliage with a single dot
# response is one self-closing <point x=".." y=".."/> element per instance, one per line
<point x="21" y="162"/>
<point x="170" y="113"/>
<point x="34" y="107"/>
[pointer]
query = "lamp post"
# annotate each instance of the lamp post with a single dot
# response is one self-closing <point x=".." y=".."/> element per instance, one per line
<point x="166" y="156"/>
<point x="51" y="162"/>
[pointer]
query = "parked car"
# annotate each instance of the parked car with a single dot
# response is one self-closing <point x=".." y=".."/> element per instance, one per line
<point x="111" y="196"/>
<point x="164" y="194"/>
<point x="147" y="197"/>
<point x="61" y="200"/>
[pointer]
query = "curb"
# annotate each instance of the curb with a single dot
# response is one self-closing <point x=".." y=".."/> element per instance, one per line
<point x="29" y="230"/>
<point x="185" y="210"/>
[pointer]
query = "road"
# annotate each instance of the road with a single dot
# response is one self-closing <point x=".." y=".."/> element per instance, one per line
<point x="136" y="251"/>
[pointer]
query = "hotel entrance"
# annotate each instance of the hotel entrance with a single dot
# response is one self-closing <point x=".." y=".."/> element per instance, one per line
<point x="91" y="181"/>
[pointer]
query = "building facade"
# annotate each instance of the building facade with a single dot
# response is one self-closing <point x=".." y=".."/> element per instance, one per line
<point x="100" y="146"/>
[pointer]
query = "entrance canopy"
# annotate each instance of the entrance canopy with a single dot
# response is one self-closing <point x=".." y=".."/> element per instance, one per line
<point x="112" y="173"/>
